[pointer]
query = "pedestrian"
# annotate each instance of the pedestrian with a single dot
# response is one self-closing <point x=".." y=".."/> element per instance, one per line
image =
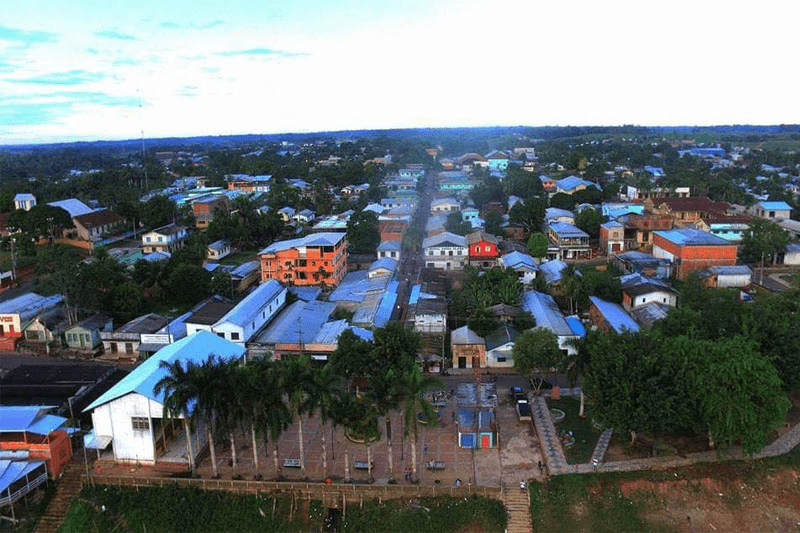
<point x="522" y="486"/>
<point x="540" y="467"/>
<point x="425" y="450"/>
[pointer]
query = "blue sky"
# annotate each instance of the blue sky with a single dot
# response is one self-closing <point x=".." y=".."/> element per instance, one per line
<point x="83" y="70"/>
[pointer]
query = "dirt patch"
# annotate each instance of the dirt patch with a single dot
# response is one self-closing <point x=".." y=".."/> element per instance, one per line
<point x="728" y="501"/>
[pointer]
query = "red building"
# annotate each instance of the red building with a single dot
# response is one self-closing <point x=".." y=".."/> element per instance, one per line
<point x="482" y="249"/>
<point x="691" y="250"/>
<point x="317" y="259"/>
<point x="204" y="209"/>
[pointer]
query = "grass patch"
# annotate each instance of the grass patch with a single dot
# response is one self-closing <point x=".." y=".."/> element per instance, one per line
<point x="588" y="503"/>
<point x="240" y="257"/>
<point x="156" y="509"/>
<point x="585" y="435"/>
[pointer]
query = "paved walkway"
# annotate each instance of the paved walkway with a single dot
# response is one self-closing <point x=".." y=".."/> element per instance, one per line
<point x="602" y="446"/>
<point x="557" y="464"/>
<point x="517" y="503"/>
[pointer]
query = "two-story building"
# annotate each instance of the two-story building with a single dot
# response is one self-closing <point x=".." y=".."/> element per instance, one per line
<point x="570" y="241"/>
<point x="316" y="259"/>
<point x="691" y="250"/>
<point x="97" y="224"/>
<point x="205" y="208"/>
<point x="249" y="184"/>
<point x="217" y="250"/>
<point x="482" y="249"/>
<point x="612" y="237"/>
<point x="446" y="251"/>
<point x="165" y="239"/>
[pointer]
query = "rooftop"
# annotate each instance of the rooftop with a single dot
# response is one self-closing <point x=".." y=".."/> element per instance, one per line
<point x="300" y="322"/>
<point x="546" y="312"/>
<point x="614" y="315"/>
<point x="245" y="310"/>
<point x="567" y="230"/>
<point x="314" y="239"/>
<point x="692" y="237"/>
<point x="464" y="335"/>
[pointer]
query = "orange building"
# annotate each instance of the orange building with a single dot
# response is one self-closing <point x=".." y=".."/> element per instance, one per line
<point x="691" y="250"/>
<point x="392" y="230"/>
<point x="316" y="259"/>
<point x="204" y="209"/>
<point x="43" y="436"/>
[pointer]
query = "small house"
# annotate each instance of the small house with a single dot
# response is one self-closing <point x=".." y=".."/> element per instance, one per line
<point x="467" y="348"/>
<point x="85" y="335"/>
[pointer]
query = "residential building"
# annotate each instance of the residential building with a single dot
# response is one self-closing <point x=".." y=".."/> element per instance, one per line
<point x="205" y="208"/>
<point x="645" y="264"/>
<point x="287" y="213"/>
<point x="792" y="227"/>
<point x="554" y="214"/>
<point x="685" y="212"/>
<point x="392" y="230"/>
<point x="242" y="321"/>
<point x="85" y="335"/>
<point x="639" y="290"/>
<point x="523" y="264"/>
<point x="390" y="249"/>
<point x="97" y="224"/>
<point x="217" y="250"/>
<point x="73" y="206"/>
<point x="445" y="205"/>
<point x="730" y="228"/>
<point x="497" y="160"/>
<point x="609" y="316"/>
<point x="165" y="239"/>
<point x="569" y="242"/>
<point x="553" y="271"/>
<point x="130" y="416"/>
<point x="17" y="312"/>
<point x="548" y="183"/>
<point x="612" y="237"/>
<point x="304" y="217"/>
<point x="469" y="213"/>
<point x="792" y="254"/>
<point x="573" y="184"/>
<point x="24" y="200"/>
<point x="316" y="259"/>
<point x="411" y="173"/>
<point x="548" y="316"/>
<point x="724" y="277"/>
<point x="292" y="330"/>
<point x="430" y="316"/>
<point x="47" y="328"/>
<point x="123" y="343"/>
<point x="482" y="249"/>
<point x="499" y="347"/>
<point x="383" y="267"/>
<point x="445" y="251"/>
<point x="691" y="250"/>
<point x="41" y="437"/>
<point x="773" y="210"/>
<point x="248" y="184"/>
<point x="467" y="348"/>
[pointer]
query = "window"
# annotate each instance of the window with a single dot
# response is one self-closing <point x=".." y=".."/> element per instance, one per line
<point x="234" y="336"/>
<point x="488" y="249"/>
<point x="147" y="239"/>
<point x="140" y="423"/>
<point x="221" y="335"/>
<point x="128" y="347"/>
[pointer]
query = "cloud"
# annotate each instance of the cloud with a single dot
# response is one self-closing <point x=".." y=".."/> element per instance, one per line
<point x="111" y="34"/>
<point x="70" y="77"/>
<point x="269" y="52"/>
<point x="191" y="25"/>
<point x="27" y="37"/>
<point x="31" y="113"/>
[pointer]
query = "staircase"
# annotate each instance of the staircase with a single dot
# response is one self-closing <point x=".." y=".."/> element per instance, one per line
<point x="518" y="507"/>
<point x="69" y="486"/>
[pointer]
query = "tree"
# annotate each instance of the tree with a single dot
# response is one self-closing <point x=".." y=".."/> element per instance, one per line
<point x="563" y="201"/>
<point x="157" y="211"/>
<point x="298" y="385"/>
<point x="536" y="351"/>
<point x="327" y="389"/>
<point x="187" y="284"/>
<point x="529" y="213"/>
<point x="363" y="236"/>
<point x="270" y="414"/>
<point x="455" y="224"/>
<point x="762" y="239"/>
<point x="538" y="244"/>
<point x="589" y="220"/>
<point x="179" y="396"/>
<point x="494" y="221"/>
<point x="352" y="358"/>
<point x="415" y="384"/>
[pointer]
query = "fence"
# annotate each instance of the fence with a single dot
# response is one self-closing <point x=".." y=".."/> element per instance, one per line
<point x="331" y="495"/>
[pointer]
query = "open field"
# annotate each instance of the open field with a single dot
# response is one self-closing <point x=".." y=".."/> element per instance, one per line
<point x="758" y="495"/>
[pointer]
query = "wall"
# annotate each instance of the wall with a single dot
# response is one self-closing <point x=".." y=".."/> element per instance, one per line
<point x="113" y="419"/>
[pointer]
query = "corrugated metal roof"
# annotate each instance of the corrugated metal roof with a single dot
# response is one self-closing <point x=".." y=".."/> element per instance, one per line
<point x="389" y="246"/>
<point x="775" y="206"/>
<point x="519" y="260"/>
<point x="356" y="285"/>
<point x="565" y="229"/>
<point x="197" y="347"/>
<point x="692" y="237"/>
<point x="245" y="268"/>
<point x="553" y="271"/>
<point x="614" y="315"/>
<point x="386" y="263"/>
<point x="576" y="326"/>
<point x="314" y="239"/>
<point x="384" y="312"/>
<point x="19" y="418"/>
<point x="246" y="310"/>
<point x="13" y="471"/>
<point x="735" y="270"/>
<point x="546" y="312"/>
<point x="299" y="322"/>
<point x="73" y="206"/>
<point x="445" y="238"/>
<point x="46" y="424"/>
<point x="29" y="305"/>
<point x="464" y="335"/>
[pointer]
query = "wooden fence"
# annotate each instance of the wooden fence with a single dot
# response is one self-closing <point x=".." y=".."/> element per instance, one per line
<point x="333" y="495"/>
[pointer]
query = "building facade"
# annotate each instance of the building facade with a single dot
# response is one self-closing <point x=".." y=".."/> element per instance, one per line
<point x="317" y="259"/>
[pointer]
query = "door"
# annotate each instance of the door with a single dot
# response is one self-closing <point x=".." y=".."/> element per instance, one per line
<point x="476" y="361"/>
<point x="462" y="362"/>
<point x="485" y="442"/>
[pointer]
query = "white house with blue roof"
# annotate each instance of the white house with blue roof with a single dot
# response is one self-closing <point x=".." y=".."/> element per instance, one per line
<point x="773" y="210"/>
<point x="547" y="315"/>
<point x="523" y="264"/>
<point x="130" y="415"/>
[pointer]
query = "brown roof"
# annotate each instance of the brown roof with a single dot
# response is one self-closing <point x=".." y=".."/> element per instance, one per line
<point x="98" y="219"/>
<point x="479" y="236"/>
<point x="701" y="204"/>
<point x="734" y="219"/>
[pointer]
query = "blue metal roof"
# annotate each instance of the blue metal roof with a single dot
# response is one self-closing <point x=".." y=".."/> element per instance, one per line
<point x="46" y="424"/>
<point x="247" y="309"/>
<point x="519" y="260"/>
<point x="386" y="306"/>
<point x="735" y="270"/>
<point x="300" y="322"/>
<point x="386" y="263"/>
<point x="12" y="471"/>
<point x="553" y="271"/>
<point x="567" y="230"/>
<point x="545" y="311"/>
<point x="775" y="206"/>
<point x="614" y="315"/>
<point x="315" y="239"/>
<point x="415" y="291"/>
<point x="197" y="347"/>
<point x="19" y="418"/>
<point x="691" y="237"/>
<point x="576" y="326"/>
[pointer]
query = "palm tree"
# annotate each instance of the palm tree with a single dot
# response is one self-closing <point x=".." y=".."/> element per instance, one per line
<point x="179" y="396"/>
<point x="360" y="418"/>
<point x="415" y="384"/>
<point x="271" y="415"/>
<point x="327" y="388"/>
<point x="298" y="386"/>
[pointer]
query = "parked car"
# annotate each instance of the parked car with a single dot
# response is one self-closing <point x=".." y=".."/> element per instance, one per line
<point x="523" y="411"/>
<point x="517" y="395"/>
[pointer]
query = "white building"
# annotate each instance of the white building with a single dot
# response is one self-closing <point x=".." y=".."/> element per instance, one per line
<point x="165" y="239"/>
<point x="446" y="251"/>
<point x="130" y="415"/>
<point x="548" y="316"/>
<point x="390" y="249"/>
<point x="430" y="316"/>
<point x="523" y="264"/>
<point x="245" y="319"/>
<point x="218" y="249"/>
<point x="24" y="200"/>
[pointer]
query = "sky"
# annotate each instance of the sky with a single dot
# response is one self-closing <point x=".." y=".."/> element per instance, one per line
<point x="92" y="70"/>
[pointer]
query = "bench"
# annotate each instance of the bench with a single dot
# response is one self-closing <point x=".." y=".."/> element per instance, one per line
<point x="362" y="465"/>
<point x="435" y="465"/>
<point x="292" y="463"/>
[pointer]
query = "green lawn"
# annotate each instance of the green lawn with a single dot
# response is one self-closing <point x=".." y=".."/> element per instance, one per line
<point x="585" y="435"/>
<point x="240" y="257"/>
<point x="105" y="508"/>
